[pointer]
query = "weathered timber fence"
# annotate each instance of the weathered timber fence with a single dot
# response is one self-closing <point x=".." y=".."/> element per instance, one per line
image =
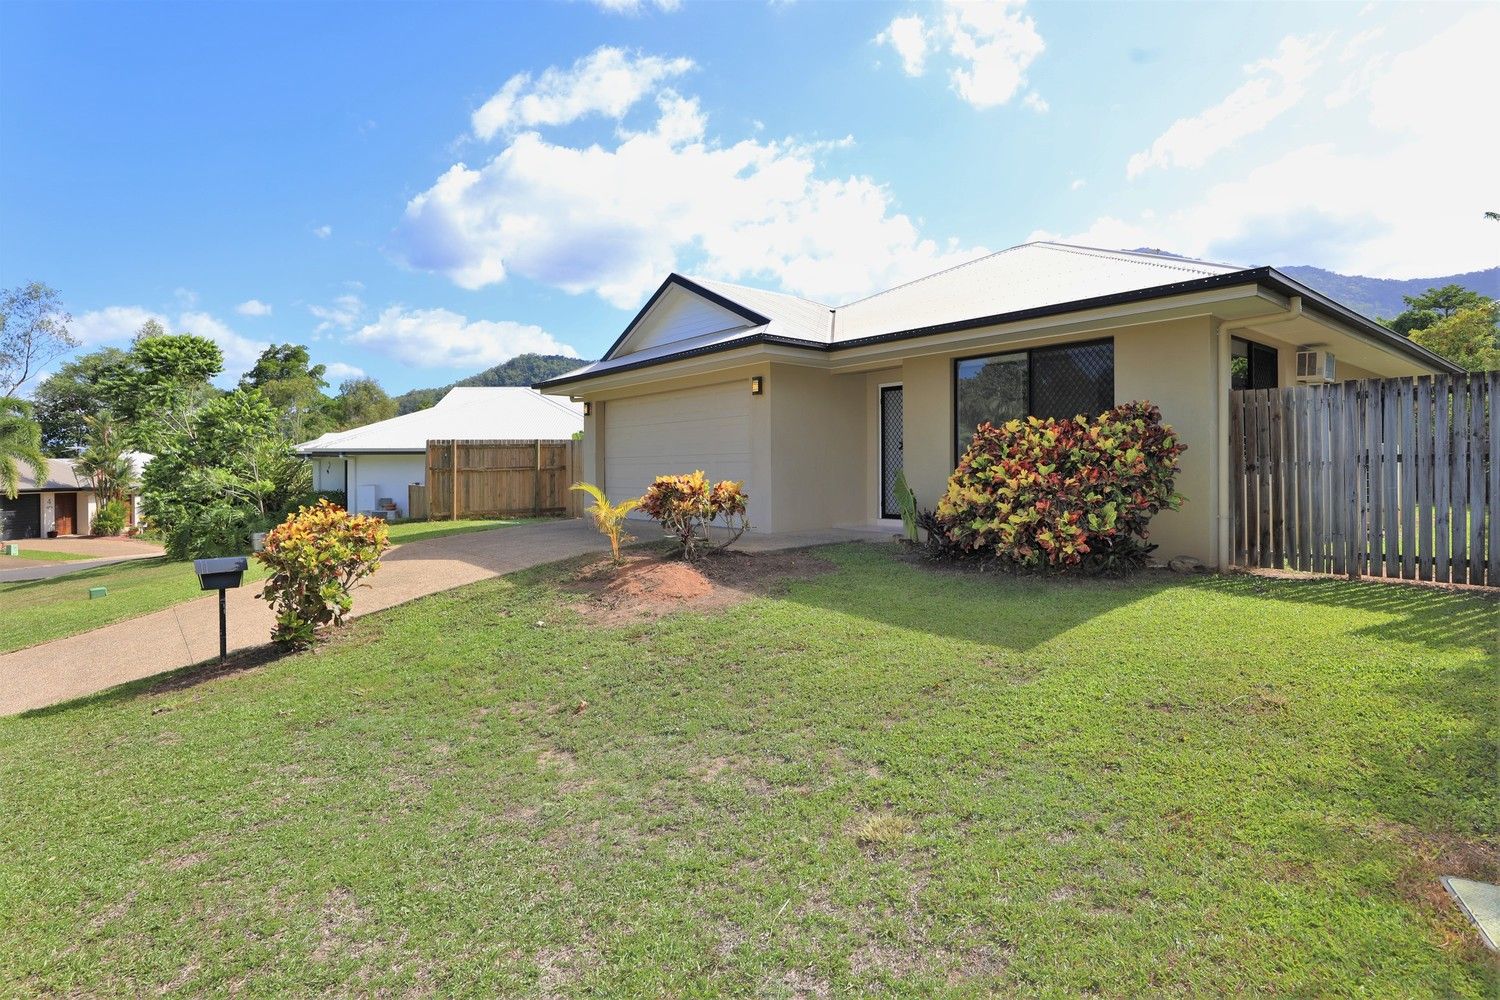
<point x="500" y="478"/>
<point x="1391" y="477"/>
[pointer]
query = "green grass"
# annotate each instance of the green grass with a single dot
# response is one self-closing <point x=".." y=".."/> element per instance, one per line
<point x="885" y="778"/>
<point x="38" y="611"/>
<point x="412" y="531"/>
<point x="50" y="555"/>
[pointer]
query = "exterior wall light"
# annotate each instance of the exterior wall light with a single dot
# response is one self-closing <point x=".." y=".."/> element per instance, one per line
<point x="757" y="385"/>
<point x="588" y="408"/>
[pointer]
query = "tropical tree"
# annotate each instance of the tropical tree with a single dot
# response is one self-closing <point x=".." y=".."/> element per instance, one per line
<point x="105" y="462"/>
<point x="609" y="518"/>
<point x="20" y="441"/>
<point x="67" y="398"/>
<point x="288" y="380"/>
<point x="165" y="383"/>
<point x="361" y="401"/>
<point x="1434" y="305"/>
<point x="33" y="333"/>
<point x="1470" y="337"/>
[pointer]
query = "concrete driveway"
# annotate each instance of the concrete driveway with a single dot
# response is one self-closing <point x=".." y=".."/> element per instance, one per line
<point x="189" y="633"/>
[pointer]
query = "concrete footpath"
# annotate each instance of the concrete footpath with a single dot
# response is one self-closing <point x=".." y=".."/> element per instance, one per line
<point x="188" y="633"/>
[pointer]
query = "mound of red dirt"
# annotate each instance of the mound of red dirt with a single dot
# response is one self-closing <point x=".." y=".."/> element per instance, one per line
<point x="647" y="587"/>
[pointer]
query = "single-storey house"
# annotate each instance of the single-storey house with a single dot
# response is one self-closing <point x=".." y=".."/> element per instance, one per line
<point x="816" y="407"/>
<point x="65" y="503"/>
<point x="381" y="459"/>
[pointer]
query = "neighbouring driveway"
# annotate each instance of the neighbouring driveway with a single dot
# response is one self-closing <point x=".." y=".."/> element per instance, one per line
<point x="98" y="552"/>
<point x="189" y="633"/>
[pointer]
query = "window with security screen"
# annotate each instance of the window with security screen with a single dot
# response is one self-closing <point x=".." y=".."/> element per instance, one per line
<point x="1058" y="382"/>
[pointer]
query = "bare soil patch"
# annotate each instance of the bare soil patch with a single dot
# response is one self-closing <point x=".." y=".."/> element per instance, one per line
<point x="647" y="587"/>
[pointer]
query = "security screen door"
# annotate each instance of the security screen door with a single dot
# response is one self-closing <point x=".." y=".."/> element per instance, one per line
<point x="890" y="448"/>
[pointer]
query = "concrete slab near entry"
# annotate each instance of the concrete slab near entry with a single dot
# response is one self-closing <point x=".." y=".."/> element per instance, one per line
<point x="1480" y="902"/>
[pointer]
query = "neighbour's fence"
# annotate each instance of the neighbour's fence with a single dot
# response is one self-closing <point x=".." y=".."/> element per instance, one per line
<point x="1391" y="477"/>
<point x="500" y="478"/>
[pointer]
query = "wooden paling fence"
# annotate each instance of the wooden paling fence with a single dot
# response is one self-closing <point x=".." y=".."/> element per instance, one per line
<point x="1390" y="477"/>
<point x="500" y="478"/>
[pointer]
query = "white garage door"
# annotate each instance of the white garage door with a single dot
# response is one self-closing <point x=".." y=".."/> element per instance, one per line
<point x="674" y="432"/>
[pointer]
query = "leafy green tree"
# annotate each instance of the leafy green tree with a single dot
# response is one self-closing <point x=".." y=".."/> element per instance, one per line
<point x="66" y="399"/>
<point x="1470" y="337"/>
<point x="230" y="471"/>
<point x="288" y="380"/>
<point x="165" y="383"/>
<point x="1433" y="305"/>
<point x="362" y="401"/>
<point x="33" y="333"/>
<point x="20" y="441"/>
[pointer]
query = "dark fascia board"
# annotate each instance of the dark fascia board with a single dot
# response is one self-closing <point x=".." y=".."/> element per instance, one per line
<point x="341" y="452"/>
<point x="1264" y="276"/>
<point x="749" y="315"/>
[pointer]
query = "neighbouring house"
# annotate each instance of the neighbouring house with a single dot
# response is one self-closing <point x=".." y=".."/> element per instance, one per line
<point x="382" y="459"/>
<point x="64" y="504"/>
<point x="815" y="408"/>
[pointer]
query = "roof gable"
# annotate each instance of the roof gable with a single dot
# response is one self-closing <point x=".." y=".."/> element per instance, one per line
<point x="681" y="309"/>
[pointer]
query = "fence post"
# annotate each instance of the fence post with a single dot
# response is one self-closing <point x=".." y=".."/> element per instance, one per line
<point x="453" y="471"/>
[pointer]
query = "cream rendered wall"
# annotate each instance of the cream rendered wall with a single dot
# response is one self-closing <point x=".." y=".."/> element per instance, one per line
<point x="818" y="466"/>
<point x="927" y="406"/>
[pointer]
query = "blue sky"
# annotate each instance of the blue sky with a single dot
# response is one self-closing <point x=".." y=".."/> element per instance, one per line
<point x="420" y="191"/>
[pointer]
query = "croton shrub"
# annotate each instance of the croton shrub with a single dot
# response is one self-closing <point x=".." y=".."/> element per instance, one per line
<point x="688" y="505"/>
<point x="316" y="558"/>
<point x="1060" y="493"/>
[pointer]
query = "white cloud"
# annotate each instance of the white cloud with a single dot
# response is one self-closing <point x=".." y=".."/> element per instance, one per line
<point x="636" y="6"/>
<point x="615" y="221"/>
<point x="1036" y="102"/>
<point x="607" y="81"/>
<point x="322" y="232"/>
<point x="118" y="324"/>
<point x="342" y="314"/>
<point x="989" y="44"/>
<point x="439" y="338"/>
<point x="338" y="372"/>
<point x="1393" y="207"/>
<point x="1275" y="86"/>
<point x="253" y="307"/>
<point x="908" y="36"/>
<point x="1077" y="185"/>
<point x="112" y="323"/>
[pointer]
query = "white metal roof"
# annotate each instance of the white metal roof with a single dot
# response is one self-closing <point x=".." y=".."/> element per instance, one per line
<point x="483" y="414"/>
<point x="1024" y="277"/>
<point x="790" y="315"/>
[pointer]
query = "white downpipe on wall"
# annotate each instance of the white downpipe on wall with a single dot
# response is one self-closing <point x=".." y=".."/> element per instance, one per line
<point x="1292" y="311"/>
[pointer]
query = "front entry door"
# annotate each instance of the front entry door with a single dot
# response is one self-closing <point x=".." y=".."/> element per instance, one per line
<point x="67" y="510"/>
<point x="890" y="448"/>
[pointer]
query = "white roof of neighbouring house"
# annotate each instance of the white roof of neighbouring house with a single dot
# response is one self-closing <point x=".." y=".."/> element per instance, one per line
<point x="465" y="414"/>
<point x="1034" y="279"/>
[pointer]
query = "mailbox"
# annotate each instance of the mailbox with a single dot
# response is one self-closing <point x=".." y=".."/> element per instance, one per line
<point x="218" y="574"/>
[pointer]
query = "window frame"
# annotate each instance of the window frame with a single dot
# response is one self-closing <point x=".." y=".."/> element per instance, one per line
<point x="1250" y="347"/>
<point x="959" y="445"/>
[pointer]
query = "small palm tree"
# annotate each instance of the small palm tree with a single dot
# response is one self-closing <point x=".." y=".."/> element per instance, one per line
<point x="20" y="441"/>
<point x="609" y="518"/>
<point x="105" y="462"/>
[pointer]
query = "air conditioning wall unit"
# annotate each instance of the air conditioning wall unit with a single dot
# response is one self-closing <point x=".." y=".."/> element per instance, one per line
<point x="1314" y="365"/>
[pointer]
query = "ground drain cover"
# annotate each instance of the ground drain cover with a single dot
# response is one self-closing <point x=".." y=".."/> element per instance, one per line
<point x="1480" y="902"/>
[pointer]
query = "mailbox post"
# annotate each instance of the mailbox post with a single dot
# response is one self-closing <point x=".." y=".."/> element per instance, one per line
<point x="220" y="575"/>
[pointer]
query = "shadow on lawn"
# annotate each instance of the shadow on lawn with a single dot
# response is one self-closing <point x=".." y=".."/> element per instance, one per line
<point x="73" y="577"/>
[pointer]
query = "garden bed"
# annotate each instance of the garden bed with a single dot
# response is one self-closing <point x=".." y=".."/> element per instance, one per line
<point x="647" y="586"/>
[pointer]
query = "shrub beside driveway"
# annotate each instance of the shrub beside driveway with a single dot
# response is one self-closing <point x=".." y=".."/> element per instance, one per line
<point x="885" y="776"/>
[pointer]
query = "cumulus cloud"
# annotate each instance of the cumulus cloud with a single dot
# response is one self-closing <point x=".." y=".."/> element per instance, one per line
<point x="1334" y="206"/>
<point x="614" y="220"/>
<point x="1274" y="87"/>
<point x="1077" y="185"/>
<point x="338" y="372"/>
<point x="1036" y="102"/>
<point x="908" y="36"/>
<point x="253" y="307"/>
<point x="118" y="324"/>
<point x="607" y="81"/>
<point x="635" y="6"/>
<point x="322" y="232"/>
<point x="988" y="45"/>
<point x="341" y="314"/>
<point x="440" y="338"/>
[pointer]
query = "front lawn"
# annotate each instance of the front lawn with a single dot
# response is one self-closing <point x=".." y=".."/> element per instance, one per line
<point x="50" y="555"/>
<point x="883" y="777"/>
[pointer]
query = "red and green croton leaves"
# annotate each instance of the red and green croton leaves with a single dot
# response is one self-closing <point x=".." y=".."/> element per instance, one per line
<point x="1042" y="492"/>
